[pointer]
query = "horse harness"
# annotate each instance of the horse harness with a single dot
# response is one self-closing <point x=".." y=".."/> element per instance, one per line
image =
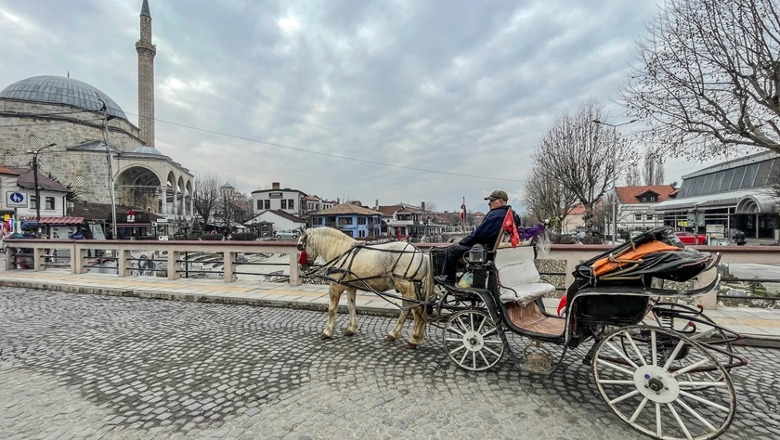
<point x="342" y="264"/>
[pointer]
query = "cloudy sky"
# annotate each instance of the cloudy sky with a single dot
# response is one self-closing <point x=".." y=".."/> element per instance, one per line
<point x="395" y="101"/>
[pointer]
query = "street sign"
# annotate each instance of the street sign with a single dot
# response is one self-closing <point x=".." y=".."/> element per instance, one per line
<point x="15" y="199"/>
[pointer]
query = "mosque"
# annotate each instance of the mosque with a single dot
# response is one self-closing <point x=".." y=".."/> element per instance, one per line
<point x="96" y="147"/>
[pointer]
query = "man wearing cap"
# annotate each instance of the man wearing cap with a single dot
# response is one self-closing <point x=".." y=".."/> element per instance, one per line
<point x="485" y="234"/>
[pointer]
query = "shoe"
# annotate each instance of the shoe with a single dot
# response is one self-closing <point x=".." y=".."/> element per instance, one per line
<point x="444" y="279"/>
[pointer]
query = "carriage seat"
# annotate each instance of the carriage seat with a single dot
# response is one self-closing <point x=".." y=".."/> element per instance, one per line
<point x="518" y="278"/>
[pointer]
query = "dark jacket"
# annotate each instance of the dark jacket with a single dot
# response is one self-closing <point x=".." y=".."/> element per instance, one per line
<point x="487" y="231"/>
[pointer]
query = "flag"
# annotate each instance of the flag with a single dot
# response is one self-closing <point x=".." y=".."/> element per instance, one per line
<point x="463" y="215"/>
<point x="510" y="227"/>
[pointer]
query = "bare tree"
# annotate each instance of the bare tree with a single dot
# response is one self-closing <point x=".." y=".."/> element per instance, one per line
<point x="653" y="172"/>
<point x="584" y="157"/>
<point x="547" y="198"/>
<point x="709" y="78"/>
<point x="206" y="196"/>
<point x="632" y="176"/>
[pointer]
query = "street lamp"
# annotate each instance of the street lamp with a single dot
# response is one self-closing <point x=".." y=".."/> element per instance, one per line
<point x="106" y="118"/>
<point x="614" y="183"/>
<point x="35" y="183"/>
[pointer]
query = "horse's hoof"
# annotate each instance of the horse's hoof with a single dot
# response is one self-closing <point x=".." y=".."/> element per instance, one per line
<point x="349" y="333"/>
<point x="391" y="338"/>
<point x="411" y="346"/>
<point x="325" y="336"/>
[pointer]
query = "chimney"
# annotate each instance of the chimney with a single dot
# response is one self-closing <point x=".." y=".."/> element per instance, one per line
<point x="422" y="206"/>
<point x="275" y="185"/>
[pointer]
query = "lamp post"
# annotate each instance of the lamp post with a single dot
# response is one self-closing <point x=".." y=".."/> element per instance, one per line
<point x="614" y="182"/>
<point x="106" y="118"/>
<point x="35" y="183"/>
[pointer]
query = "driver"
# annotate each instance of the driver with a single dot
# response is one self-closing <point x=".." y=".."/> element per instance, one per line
<point x="485" y="234"/>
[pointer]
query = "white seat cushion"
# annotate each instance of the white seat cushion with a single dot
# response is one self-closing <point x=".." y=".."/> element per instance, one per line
<point x="517" y="275"/>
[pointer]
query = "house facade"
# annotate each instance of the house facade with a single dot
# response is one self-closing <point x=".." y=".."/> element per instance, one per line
<point x="20" y="183"/>
<point x="636" y="206"/>
<point x="278" y="219"/>
<point x="277" y="198"/>
<point x="353" y="220"/>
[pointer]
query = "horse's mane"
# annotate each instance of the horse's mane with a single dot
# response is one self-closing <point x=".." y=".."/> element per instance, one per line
<point x="329" y="240"/>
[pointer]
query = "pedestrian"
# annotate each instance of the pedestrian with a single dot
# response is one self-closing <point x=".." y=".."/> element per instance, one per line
<point x="739" y="238"/>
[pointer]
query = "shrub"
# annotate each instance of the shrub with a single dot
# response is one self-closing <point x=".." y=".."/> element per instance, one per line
<point x="211" y="237"/>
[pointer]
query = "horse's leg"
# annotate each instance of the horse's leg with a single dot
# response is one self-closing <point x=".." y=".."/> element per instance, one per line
<point x="418" y="327"/>
<point x="352" y="328"/>
<point x="395" y="333"/>
<point x="334" y="292"/>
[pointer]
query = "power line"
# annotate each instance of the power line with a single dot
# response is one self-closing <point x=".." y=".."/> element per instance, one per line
<point x="337" y="156"/>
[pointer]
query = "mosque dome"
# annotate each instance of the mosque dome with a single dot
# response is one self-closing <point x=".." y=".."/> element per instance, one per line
<point x="62" y="90"/>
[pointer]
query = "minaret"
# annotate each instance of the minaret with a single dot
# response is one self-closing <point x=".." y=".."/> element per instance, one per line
<point x="146" y="52"/>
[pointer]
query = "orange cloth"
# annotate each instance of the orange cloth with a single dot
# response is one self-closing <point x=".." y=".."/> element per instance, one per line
<point x="607" y="264"/>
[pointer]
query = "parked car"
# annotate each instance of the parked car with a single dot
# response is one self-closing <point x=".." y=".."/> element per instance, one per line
<point x="690" y="238"/>
<point x="287" y="234"/>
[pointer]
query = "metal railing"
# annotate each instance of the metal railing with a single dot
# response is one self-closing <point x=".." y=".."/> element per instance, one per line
<point x="229" y="259"/>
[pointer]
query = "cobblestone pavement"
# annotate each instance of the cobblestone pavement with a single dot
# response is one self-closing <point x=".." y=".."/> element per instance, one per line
<point x="87" y="367"/>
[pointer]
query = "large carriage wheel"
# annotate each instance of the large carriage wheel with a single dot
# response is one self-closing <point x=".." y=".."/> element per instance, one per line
<point x="664" y="384"/>
<point x="472" y="340"/>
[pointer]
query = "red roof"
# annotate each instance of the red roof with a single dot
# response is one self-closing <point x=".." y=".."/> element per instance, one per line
<point x="631" y="194"/>
<point x="57" y="220"/>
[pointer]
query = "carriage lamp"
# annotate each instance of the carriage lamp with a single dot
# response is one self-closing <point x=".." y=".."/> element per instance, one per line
<point x="476" y="255"/>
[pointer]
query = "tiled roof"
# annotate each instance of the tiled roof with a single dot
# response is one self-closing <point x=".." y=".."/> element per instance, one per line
<point x="389" y="210"/>
<point x="56" y="220"/>
<point x="631" y="194"/>
<point x="347" y="208"/>
<point x="27" y="180"/>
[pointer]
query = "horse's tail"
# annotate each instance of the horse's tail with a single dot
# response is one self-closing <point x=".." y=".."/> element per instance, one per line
<point x="428" y="284"/>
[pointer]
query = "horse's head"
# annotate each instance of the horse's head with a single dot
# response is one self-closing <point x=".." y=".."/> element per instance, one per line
<point x="308" y="255"/>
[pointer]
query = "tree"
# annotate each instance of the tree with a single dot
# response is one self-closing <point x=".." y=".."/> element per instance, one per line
<point x="547" y="198"/>
<point x="206" y="196"/>
<point x="632" y="176"/>
<point x="584" y="157"/>
<point x="709" y="77"/>
<point x="653" y="172"/>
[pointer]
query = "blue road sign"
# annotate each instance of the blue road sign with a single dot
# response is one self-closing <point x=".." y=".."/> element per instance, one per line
<point x="16" y="199"/>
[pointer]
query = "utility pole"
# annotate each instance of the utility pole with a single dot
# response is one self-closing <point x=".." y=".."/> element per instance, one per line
<point x="107" y="118"/>
<point x="35" y="184"/>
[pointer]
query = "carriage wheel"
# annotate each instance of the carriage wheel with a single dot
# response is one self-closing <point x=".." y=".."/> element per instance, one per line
<point x="472" y="340"/>
<point x="452" y="303"/>
<point x="664" y="384"/>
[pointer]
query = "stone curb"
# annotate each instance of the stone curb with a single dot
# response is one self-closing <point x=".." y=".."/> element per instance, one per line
<point x="195" y="297"/>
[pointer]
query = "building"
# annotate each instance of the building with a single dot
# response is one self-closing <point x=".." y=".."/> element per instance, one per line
<point x="52" y="209"/>
<point x="278" y="219"/>
<point x="636" y="206"/>
<point x="278" y="199"/>
<point x="354" y="220"/>
<point x="730" y="196"/>
<point x="86" y="142"/>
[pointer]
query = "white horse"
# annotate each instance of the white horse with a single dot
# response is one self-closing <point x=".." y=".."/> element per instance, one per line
<point x="352" y="265"/>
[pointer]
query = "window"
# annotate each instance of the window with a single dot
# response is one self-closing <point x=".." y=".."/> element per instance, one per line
<point x="49" y="203"/>
<point x="284" y="203"/>
<point x="637" y="216"/>
<point x="345" y="221"/>
<point x="267" y="204"/>
<point x="33" y="202"/>
<point x="649" y="198"/>
<point x="259" y="204"/>
<point x="649" y="217"/>
<point x="361" y="220"/>
<point x="290" y="203"/>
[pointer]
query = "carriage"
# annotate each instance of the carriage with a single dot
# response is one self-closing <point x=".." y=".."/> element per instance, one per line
<point x="661" y="365"/>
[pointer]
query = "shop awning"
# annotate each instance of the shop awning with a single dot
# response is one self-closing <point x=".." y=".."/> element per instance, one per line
<point x="56" y="220"/>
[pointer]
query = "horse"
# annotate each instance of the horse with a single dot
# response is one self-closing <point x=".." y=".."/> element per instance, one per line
<point x="352" y="265"/>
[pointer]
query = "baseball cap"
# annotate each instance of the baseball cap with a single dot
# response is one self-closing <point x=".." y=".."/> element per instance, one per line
<point x="497" y="194"/>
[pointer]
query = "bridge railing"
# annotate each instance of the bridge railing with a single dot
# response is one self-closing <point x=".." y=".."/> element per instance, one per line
<point x="230" y="259"/>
